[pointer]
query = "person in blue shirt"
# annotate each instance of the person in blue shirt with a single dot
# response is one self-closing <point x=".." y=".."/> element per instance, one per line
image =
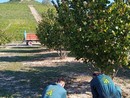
<point x="55" y="90"/>
<point x="102" y="86"/>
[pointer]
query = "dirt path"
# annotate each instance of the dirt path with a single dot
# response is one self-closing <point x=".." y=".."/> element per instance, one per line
<point x="35" y="13"/>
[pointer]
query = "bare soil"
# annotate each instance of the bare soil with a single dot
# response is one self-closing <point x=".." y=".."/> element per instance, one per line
<point x="35" y="13"/>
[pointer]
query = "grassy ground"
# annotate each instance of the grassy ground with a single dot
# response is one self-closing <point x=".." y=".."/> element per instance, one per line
<point x="42" y="10"/>
<point x="16" y="17"/>
<point x="25" y="71"/>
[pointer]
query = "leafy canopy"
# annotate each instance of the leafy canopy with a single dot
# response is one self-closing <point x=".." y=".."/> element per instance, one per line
<point x="98" y="33"/>
<point x="93" y="30"/>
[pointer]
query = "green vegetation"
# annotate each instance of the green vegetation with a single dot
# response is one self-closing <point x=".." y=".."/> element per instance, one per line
<point x="15" y="0"/>
<point x="42" y="8"/>
<point x="16" y="17"/>
<point x="95" y="32"/>
<point x="50" y="28"/>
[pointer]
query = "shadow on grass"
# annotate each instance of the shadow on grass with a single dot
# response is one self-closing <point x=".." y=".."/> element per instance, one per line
<point x="124" y="73"/>
<point x="23" y="50"/>
<point x="36" y="57"/>
<point x="29" y="83"/>
<point x="25" y="54"/>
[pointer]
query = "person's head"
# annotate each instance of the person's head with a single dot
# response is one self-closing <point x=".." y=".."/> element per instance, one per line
<point x="96" y="73"/>
<point x="61" y="81"/>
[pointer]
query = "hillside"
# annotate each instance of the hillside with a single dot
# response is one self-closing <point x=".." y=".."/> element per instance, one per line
<point x="16" y="17"/>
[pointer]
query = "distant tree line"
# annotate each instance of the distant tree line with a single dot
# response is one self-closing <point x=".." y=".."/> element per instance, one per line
<point x="46" y="1"/>
<point x="15" y="0"/>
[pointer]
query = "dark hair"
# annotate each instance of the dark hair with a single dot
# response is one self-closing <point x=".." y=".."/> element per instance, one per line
<point x="60" y="79"/>
<point x="96" y="73"/>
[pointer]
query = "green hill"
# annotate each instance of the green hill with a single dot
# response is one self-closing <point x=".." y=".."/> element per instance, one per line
<point x="16" y="17"/>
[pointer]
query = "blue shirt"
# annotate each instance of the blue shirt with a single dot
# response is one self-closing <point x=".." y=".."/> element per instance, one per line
<point x="54" y="91"/>
<point x="102" y="86"/>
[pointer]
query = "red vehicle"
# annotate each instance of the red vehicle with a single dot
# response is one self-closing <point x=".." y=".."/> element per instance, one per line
<point x="30" y="37"/>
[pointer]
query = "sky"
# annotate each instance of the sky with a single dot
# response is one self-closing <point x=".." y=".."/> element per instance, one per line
<point x="1" y="1"/>
<point x="111" y="0"/>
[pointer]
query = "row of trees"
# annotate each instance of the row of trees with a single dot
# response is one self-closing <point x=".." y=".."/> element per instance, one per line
<point x="14" y="0"/>
<point x="4" y="38"/>
<point x="46" y="2"/>
<point x="93" y="30"/>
